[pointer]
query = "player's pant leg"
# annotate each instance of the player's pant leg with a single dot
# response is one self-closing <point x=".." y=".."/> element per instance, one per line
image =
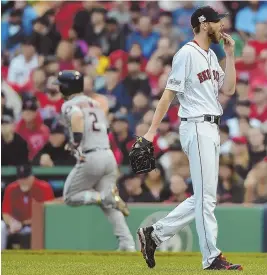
<point x="115" y="217"/>
<point x="78" y="187"/>
<point x="204" y="173"/>
<point x="175" y="221"/>
<point x="4" y="235"/>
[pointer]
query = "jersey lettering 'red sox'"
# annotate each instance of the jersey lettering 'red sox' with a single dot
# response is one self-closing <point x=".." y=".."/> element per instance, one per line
<point x="196" y="78"/>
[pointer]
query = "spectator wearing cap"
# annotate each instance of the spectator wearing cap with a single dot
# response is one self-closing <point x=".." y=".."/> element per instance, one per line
<point x="96" y="30"/>
<point x="121" y="139"/>
<point x="145" y="36"/>
<point x="240" y="156"/>
<point x="256" y="183"/>
<point x="114" y="35"/>
<point x="115" y="91"/>
<point x="14" y="147"/>
<point x="247" y="18"/>
<point x="226" y="142"/>
<point x="17" y="203"/>
<point x="12" y="33"/>
<point x="50" y="102"/>
<point x="258" y="108"/>
<point x="136" y="81"/>
<point x="22" y="65"/>
<point x="54" y="153"/>
<point x="131" y="189"/>
<point x="230" y="185"/>
<point x="31" y="127"/>
<point x="259" y="42"/>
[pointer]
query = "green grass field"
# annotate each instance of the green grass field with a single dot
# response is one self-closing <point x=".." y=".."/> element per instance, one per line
<point x="113" y="263"/>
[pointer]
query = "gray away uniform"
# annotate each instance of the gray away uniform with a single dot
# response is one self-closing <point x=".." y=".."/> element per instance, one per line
<point x="97" y="175"/>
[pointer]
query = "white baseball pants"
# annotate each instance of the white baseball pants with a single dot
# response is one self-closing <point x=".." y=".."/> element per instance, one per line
<point x="201" y="143"/>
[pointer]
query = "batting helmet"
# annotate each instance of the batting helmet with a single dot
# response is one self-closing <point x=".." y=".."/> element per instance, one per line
<point x="70" y="82"/>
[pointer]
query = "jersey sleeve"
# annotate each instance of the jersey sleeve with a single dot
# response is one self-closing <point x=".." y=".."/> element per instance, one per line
<point x="221" y="75"/>
<point x="69" y="110"/>
<point x="181" y="67"/>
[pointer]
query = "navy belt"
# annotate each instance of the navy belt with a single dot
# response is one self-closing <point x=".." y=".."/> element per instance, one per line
<point x="209" y="118"/>
<point x="94" y="150"/>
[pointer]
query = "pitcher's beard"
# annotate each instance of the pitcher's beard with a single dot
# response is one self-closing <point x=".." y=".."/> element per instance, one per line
<point x="212" y="36"/>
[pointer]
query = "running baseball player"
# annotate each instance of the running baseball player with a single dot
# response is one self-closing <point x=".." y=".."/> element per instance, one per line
<point x="93" y="179"/>
<point x="196" y="79"/>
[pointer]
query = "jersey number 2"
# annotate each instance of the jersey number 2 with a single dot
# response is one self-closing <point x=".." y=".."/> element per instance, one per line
<point x="95" y="128"/>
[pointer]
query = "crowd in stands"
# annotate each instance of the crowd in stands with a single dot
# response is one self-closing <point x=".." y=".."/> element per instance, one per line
<point x="125" y="50"/>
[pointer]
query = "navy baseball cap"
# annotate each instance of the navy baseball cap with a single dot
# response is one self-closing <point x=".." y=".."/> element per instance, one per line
<point x="24" y="171"/>
<point x="206" y="14"/>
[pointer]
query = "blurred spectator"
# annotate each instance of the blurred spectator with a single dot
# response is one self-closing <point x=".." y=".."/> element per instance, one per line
<point x="115" y="91"/>
<point x="136" y="52"/>
<point x="31" y="127"/>
<point x="136" y="81"/>
<point x="256" y="183"/>
<point x="120" y="11"/>
<point x="121" y="139"/>
<point x="258" y="108"/>
<point x="14" y="147"/>
<point x="64" y="53"/>
<point x="22" y="65"/>
<point x="144" y="36"/>
<point x="141" y="129"/>
<point x="96" y="58"/>
<point x="247" y="63"/>
<point x="139" y="108"/>
<point x="115" y="37"/>
<point x="29" y="14"/>
<point x="131" y="189"/>
<point x="17" y="203"/>
<point x="178" y="189"/>
<point x="257" y="147"/>
<point x="118" y="59"/>
<point x="247" y="18"/>
<point x="230" y="186"/>
<point x="96" y="30"/>
<point x="50" y="65"/>
<point x="50" y="100"/>
<point x="228" y="105"/>
<point x="259" y="43"/>
<point x="155" y="182"/>
<point x="166" y="29"/>
<point x="242" y="89"/>
<point x="240" y="156"/>
<point x="12" y="33"/>
<point x="82" y="19"/>
<point x="182" y="18"/>
<point x="54" y="153"/>
<point x="135" y="14"/>
<point x="226" y="142"/>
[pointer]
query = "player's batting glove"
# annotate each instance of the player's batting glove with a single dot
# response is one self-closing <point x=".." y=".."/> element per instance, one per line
<point x="75" y="151"/>
<point x="141" y="157"/>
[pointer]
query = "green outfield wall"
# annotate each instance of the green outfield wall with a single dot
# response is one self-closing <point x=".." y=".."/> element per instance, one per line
<point x="241" y="229"/>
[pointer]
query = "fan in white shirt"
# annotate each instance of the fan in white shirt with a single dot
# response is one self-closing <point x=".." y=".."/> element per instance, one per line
<point x="22" y="65"/>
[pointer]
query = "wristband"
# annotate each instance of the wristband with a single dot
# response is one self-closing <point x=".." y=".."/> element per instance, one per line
<point x="77" y="137"/>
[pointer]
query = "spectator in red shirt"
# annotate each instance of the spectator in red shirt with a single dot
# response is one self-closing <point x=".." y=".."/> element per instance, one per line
<point x="31" y="127"/>
<point x="258" y="108"/>
<point x="65" y="53"/>
<point x="17" y="202"/>
<point x="260" y="41"/>
<point x="247" y="63"/>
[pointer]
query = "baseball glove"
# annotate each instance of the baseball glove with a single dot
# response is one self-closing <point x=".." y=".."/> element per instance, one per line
<point x="141" y="157"/>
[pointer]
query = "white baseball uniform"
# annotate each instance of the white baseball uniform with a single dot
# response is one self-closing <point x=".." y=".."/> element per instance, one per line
<point x="196" y="78"/>
<point x="98" y="174"/>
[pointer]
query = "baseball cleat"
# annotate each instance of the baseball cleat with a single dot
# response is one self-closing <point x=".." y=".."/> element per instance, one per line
<point x="220" y="263"/>
<point x="148" y="246"/>
<point x="120" y="204"/>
